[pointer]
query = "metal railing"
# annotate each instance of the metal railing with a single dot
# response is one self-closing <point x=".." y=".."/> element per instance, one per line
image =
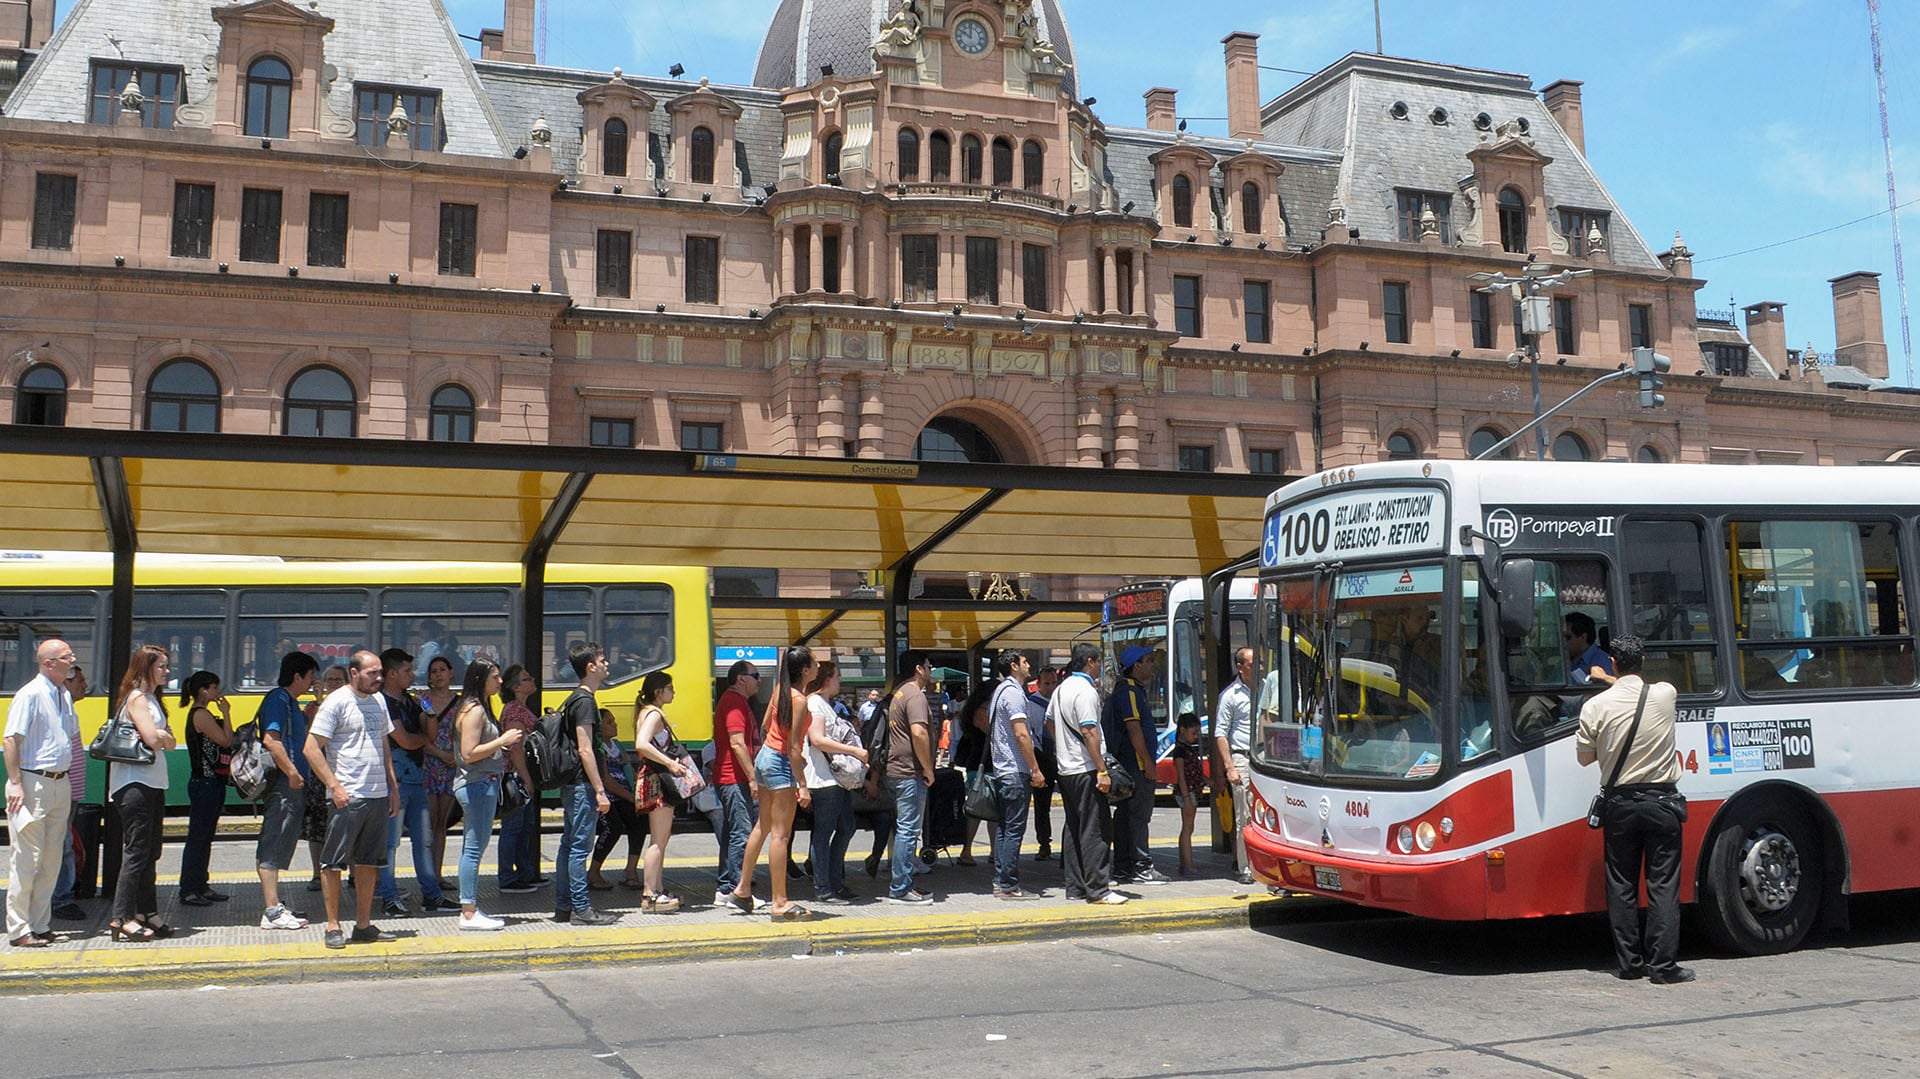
<point x="980" y="192"/>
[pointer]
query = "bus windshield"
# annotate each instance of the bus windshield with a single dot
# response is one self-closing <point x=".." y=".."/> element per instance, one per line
<point x="1151" y="636"/>
<point x="1358" y="661"/>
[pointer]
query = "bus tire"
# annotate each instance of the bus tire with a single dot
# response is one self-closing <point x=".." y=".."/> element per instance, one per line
<point x="1765" y="874"/>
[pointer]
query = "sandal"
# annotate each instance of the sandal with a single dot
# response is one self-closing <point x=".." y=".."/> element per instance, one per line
<point x="965" y="859"/>
<point x="600" y="885"/>
<point x="130" y="933"/>
<point x="744" y="904"/>
<point x="160" y="930"/>
<point x="660" y="903"/>
<point x="195" y="899"/>
<point x="794" y="913"/>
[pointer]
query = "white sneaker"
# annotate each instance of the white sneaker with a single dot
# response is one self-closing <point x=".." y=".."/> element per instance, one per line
<point x="1111" y="899"/>
<point x="479" y="922"/>
<point x="281" y="918"/>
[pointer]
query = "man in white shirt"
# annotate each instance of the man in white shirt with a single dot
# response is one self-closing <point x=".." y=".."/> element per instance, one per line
<point x="347" y="751"/>
<point x="1086" y="852"/>
<point x="39" y="752"/>
<point x="1233" y="732"/>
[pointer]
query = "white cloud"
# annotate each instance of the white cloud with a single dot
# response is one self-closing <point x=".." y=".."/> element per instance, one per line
<point x="1694" y="44"/>
<point x="1800" y="163"/>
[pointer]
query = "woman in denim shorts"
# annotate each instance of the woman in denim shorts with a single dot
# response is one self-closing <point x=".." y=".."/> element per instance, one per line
<point x="782" y="756"/>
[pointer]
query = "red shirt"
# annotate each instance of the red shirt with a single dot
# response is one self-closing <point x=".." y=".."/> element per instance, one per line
<point x="732" y="713"/>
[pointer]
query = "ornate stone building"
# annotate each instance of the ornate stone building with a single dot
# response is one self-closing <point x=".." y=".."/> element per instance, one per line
<point x="910" y="236"/>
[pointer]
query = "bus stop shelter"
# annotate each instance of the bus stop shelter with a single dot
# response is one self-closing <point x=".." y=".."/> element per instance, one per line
<point x="126" y="492"/>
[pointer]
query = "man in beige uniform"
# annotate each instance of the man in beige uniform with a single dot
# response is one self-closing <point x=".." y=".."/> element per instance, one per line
<point x="1644" y="811"/>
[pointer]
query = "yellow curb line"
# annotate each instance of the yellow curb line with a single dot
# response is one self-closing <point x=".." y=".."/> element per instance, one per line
<point x="558" y="948"/>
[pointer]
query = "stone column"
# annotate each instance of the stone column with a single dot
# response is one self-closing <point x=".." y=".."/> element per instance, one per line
<point x="1109" y="281"/>
<point x="873" y="417"/>
<point x="816" y="259"/>
<point x="1090" y="438"/>
<point x="849" y="239"/>
<point x="786" y="260"/>
<point x="1126" y="431"/>
<point x="831" y="432"/>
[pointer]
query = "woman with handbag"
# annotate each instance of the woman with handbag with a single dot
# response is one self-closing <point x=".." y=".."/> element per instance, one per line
<point x="437" y="717"/>
<point x="653" y="740"/>
<point x="782" y="756"/>
<point x="476" y="785"/>
<point x="139" y="793"/>
<point x="209" y="738"/>
<point x="520" y="827"/>
<point x="970" y="755"/>
<point x="836" y="764"/>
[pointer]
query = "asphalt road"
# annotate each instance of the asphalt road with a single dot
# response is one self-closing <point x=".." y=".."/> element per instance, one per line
<point x="1332" y="991"/>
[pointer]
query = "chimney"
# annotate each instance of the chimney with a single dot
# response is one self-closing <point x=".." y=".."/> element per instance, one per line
<point x="516" y="42"/>
<point x="1859" y="334"/>
<point x="1767" y="331"/>
<point x="1243" y="84"/>
<point x="1160" y="109"/>
<point x="490" y="43"/>
<point x="1563" y="101"/>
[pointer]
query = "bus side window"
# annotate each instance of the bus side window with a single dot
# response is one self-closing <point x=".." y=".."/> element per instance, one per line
<point x="1546" y="680"/>
<point x="1816" y="605"/>
<point x="1668" y="604"/>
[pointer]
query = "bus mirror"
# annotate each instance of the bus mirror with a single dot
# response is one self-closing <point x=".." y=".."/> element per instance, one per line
<point x="1516" y="597"/>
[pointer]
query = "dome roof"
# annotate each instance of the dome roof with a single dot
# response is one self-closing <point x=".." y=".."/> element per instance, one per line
<point x="808" y="33"/>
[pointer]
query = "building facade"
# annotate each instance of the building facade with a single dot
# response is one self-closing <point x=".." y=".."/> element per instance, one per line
<point x="911" y="237"/>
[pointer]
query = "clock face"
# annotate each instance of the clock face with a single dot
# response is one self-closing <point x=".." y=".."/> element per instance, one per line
<point x="971" y="36"/>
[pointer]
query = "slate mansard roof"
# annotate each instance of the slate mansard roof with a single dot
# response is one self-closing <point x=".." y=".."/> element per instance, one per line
<point x="395" y="44"/>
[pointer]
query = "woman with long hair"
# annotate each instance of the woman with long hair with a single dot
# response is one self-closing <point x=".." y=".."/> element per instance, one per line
<point x="520" y="829"/>
<point x="782" y="756"/>
<point x="139" y="792"/>
<point x="651" y="739"/>
<point x="436" y="714"/>
<point x="477" y="783"/>
<point x="207" y="735"/>
<point x="970" y="754"/>
<point x="830" y="733"/>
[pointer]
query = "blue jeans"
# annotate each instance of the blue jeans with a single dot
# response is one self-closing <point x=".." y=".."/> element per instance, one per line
<point x="205" y="796"/>
<point x="909" y="805"/>
<point x="738" y="811"/>
<point x="1013" y="790"/>
<point x="477" y="801"/>
<point x="412" y="817"/>
<point x="832" y="831"/>
<point x="580" y="820"/>
<point x="520" y="845"/>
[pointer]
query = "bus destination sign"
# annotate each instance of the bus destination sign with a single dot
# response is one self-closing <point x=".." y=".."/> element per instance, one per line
<point x="1372" y="523"/>
<point x="1146" y="603"/>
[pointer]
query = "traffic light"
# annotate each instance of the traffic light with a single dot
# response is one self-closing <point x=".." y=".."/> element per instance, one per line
<point x="1652" y="368"/>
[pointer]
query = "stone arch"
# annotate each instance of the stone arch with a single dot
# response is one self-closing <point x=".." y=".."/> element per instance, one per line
<point x="352" y="363"/>
<point x="1011" y="430"/>
<point x="1416" y="425"/>
<point x="1595" y="443"/>
<point x="49" y="354"/>
<point x="158" y="355"/>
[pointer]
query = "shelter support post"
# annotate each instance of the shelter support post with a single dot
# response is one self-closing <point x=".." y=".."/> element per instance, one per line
<point x="900" y="578"/>
<point x="533" y="572"/>
<point x="116" y="513"/>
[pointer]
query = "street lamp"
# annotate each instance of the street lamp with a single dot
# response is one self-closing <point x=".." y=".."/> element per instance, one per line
<point x="1536" y="320"/>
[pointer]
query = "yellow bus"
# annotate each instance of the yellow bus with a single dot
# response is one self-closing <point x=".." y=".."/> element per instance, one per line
<point x="237" y="616"/>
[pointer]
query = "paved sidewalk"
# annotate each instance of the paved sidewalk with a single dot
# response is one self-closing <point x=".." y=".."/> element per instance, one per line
<point x="223" y="944"/>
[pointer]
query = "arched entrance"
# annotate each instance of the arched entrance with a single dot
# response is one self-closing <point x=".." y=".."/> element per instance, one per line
<point x="951" y="438"/>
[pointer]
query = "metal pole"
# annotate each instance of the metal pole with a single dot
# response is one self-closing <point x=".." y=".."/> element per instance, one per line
<point x="1613" y="376"/>
<point x="1533" y="366"/>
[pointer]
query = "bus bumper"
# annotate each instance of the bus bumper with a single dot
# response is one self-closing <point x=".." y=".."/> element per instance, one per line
<point x="1454" y="891"/>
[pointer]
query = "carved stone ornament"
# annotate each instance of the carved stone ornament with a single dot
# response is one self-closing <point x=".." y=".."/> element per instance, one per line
<point x="131" y="99"/>
<point x="1336" y="214"/>
<point x="1596" y="240"/>
<point x="901" y="30"/>
<point x="1680" y="249"/>
<point x="542" y="132"/>
<point x="1429" y="221"/>
<point x="398" y="122"/>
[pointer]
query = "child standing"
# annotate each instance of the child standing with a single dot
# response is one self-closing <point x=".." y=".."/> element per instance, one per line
<point x="1189" y="783"/>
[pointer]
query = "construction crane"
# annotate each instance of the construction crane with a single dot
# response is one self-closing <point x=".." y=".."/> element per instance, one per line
<point x="1893" y="199"/>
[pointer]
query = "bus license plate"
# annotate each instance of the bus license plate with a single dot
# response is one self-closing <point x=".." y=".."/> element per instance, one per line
<point x="1327" y="880"/>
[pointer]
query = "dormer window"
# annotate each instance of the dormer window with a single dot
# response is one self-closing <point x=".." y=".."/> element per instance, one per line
<point x="613" y="147"/>
<point x="1182" y="202"/>
<point x="1577" y="224"/>
<point x="373" y="116"/>
<point x="700" y="145"/>
<point x="159" y="93"/>
<point x="1250" y="207"/>
<point x="1513" y="221"/>
<point x="269" y="98"/>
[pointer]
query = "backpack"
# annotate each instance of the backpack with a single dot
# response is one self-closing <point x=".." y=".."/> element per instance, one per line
<point x="877" y="735"/>
<point x="250" y="764"/>
<point x="553" y="756"/>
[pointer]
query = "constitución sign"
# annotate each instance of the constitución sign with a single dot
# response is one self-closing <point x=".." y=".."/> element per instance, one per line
<point x="1359" y="524"/>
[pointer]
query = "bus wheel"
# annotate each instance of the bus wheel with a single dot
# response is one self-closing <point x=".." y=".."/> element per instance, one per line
<point x="1764" y="877"/>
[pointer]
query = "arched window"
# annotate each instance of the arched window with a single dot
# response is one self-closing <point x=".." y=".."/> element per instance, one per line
<point x="700" y="145"/>
<point x="1513" y="221"/>
<point x="613" y="147"/>
<point x="41" y="397"/>
<point x="830" y="156"/>
<point x="970" y="159"/>
<point x="450" y="414"/>
<point x="1002" y="162"/>
<point x="1182" y="201"/>
<point x="1250" y="207"/>
<point x="909" y="154"/>
<point x="269" y="97"/>
<point x="1649" y="455"/>
<point x="940" y="157"/>
<point x="1402" y="447"/>
<point x="1571" y="447"/>
<point x="1033" y="165"/>
<point x="949" y="438"/>
<point x="320" y="401"/>
<point x="183" y="396"/>
<point x="1486" y="438"/>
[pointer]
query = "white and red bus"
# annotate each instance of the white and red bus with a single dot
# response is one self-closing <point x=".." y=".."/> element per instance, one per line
<point x="1169" y="619"/>
<point x="1417" y="703"/>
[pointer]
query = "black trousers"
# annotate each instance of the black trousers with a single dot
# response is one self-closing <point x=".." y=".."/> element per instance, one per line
<point x="1643" y="832"/>
<point x="623" y="820"/>
<point x="1041" y="812"/>
<point x="141" y="810"/>
<point x="1086" y="854"/>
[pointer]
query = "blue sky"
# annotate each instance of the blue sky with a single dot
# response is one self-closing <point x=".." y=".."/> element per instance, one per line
<point x="1741" y="123"/>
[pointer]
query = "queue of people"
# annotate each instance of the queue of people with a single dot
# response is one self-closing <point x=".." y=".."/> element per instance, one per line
<point x="367" y="761"/>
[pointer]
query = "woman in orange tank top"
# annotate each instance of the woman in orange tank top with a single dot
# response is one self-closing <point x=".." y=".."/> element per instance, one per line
<point x="782" y="757"/>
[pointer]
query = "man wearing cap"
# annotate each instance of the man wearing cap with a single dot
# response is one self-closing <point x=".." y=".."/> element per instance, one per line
<point x="1127" y="724"/>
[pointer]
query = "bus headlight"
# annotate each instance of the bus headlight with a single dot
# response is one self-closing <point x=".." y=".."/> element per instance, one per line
<point x="1405" y="838"/>
<point x="1424" y="835"/>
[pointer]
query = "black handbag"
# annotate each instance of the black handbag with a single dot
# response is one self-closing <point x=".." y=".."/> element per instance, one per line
<point x="1597" y="809"/>
<point x="1119" y="780"/>
<point x="119" y="742"/>
<point x="981" y="801"/>
<point x="513" y="795"/>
